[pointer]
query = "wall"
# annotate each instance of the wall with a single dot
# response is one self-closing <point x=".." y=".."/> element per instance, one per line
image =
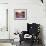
<point x="3" y="1"/>
<point x="3" y="21"/>
<point x="3" y="14"/>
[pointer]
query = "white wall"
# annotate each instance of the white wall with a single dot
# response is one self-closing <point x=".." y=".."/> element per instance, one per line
<point x="3" y="1"/>
<point x="3" y="21"/>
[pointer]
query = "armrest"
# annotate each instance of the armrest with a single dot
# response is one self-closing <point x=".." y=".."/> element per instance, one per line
<point x="24" y="32"/>
<point x="22" y="35"/>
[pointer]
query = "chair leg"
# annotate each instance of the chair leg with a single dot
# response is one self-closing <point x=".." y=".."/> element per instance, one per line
<point x="20" y="42"/>
<point x="32" y="42"/>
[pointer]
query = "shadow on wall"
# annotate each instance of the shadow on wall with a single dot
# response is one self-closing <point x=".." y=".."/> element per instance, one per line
<point x="41" y="34"/>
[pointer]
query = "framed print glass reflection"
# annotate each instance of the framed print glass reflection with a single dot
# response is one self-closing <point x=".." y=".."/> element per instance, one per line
<point x="20" y="14"/>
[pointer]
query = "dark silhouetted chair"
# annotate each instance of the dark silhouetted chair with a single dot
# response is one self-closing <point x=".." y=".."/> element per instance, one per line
<point x="33" y="30"/>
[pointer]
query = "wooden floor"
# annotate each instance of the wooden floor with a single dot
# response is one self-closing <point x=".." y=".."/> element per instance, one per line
<point x="6" y="40"/>
<point x="29" y="44"/>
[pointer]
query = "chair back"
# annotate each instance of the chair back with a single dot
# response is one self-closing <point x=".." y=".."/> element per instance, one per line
<point x="33" y="28"/>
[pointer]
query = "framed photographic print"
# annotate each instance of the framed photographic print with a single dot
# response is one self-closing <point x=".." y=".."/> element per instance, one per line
<point x="20" y="14"/>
